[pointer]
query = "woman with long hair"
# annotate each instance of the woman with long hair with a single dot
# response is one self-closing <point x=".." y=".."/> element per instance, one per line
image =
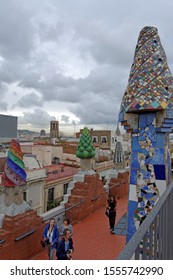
<point x="51" y="235"/>
<point x="111" y="205"/>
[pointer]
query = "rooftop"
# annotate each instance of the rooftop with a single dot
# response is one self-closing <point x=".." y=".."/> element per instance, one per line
<point x="59" y="171"/>
<point x="92" y="239"/>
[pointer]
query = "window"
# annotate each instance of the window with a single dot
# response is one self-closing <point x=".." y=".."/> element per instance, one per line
<point x="51" y="194"/>
<point x="103" y="178"/>
<point x="95" y="139"/>
<point x="24" y="196"/>
<point x="103" y="139"/>
<point x="65" y="188"/>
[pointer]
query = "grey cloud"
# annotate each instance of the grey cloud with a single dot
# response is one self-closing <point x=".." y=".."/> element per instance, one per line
<point x="65" y="118"/>
<point x="38" y="118"/>
<point x="96" y="110"/>
<point x="104" y="80"/>
<point x="3" y="89"/>
<point x="30" y="80"/>
<point x="11" y="71"/>
<point x="29" y="100"/>
<point x="49" y="30"/>
<point x="3" y="106"/>
<point x="61" y="88"/>
<point x="16" y="30"/>
<point x="106" y="45"/>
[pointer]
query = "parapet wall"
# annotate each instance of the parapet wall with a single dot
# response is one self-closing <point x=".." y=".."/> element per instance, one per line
<point x="20" y="236"/>
<point x="90" y="193"/>
<point x="119" y="186"/>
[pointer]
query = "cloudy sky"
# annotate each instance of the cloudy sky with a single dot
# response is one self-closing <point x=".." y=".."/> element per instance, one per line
<point x="70" y="59"/>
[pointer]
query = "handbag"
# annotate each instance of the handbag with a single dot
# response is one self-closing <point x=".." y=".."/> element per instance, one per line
<point x="107" y="212"/>
<point x="42" y="243"/>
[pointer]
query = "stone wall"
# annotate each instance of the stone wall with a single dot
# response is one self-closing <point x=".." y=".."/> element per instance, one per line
<point x="90" y="195"/>
<point x="20" y="236"/>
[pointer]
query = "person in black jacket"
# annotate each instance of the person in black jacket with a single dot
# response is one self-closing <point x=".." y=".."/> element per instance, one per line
<point x="65" y="246"/>
<point x="111" y="205"/>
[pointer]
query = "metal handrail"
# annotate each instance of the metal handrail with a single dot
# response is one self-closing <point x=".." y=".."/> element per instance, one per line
<point x="25" y="234"/>
<point x="117" y="184"/>
<point x="140" y="235"/>
<point x="64" y="210"/>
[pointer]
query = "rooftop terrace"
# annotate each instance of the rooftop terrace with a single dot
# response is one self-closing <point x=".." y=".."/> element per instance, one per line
<point x="92" y="239"/>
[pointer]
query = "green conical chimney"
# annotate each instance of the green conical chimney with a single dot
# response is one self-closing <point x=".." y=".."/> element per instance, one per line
<point x="85" y="148"/>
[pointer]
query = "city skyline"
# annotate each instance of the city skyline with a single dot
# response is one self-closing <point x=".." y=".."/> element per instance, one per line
<point x="70" y="60"/>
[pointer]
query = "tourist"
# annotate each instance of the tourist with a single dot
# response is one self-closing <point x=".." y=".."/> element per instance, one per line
<point x="111" y="205"/>
<point x="66" y="224"/>
<point x="65" y="246"/>
<point x="51" y="235"/>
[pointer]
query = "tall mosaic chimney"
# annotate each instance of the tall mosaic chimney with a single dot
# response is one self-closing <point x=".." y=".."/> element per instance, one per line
<point x="13" y="182"/>
<point x="147" y="113"/>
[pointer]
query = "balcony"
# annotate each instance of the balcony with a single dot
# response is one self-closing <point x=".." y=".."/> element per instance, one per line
<point x="154" y="238"/>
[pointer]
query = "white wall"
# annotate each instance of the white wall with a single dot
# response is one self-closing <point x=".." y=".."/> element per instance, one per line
<point x="57" y="152"/>
<point x="35" y="189"/>
<point x="30" y="162"/>
<point x="44" y="153"/>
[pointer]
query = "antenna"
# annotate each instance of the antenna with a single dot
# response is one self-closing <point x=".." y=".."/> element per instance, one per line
<point x="74" y="124"/>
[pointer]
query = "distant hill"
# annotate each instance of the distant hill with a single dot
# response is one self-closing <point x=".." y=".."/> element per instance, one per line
<point x="25" y="131"/>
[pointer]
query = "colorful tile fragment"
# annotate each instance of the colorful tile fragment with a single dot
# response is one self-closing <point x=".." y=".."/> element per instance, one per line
<point x="14" y="173"/>
<point x="150" y="84"/>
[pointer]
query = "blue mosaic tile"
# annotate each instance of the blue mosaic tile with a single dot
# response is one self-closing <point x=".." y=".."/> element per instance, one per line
<point x="134" y="161"/>
<point x="131" y="208"/>
<point x="166" y="130"/>
<point x="169" y="113"/>
<point x="135" y="131"/>
<point x="159" y="171"/>
<point x="141" y="137"/>
<point x="133" y="176"/>
<point x="135" y="145"/>
<point x="169" y="121"/>
<point x="145" y="152"/>
<point x="158" y="157"/>
<point x="150" y="118"/>
<point x="167" y="125"/>
<point x="131" y="229"/>
<point x="152" y="130"/>
<point x="160" y="140"/>
<point x="147" y="175"/>
<point x="155" y="104"/>
<point x="142" y="120"/>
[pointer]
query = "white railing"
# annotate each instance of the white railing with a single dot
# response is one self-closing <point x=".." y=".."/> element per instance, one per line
<point x="154" y="238"/>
